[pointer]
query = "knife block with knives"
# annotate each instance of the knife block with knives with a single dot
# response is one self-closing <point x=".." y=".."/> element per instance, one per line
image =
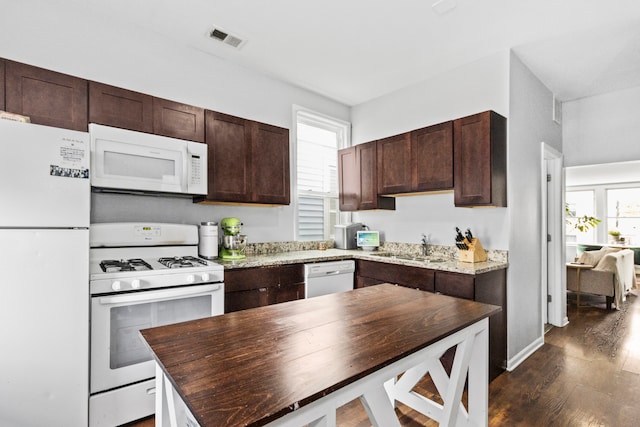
<point x="474" y="253"/>
<point x="469" y="248"/>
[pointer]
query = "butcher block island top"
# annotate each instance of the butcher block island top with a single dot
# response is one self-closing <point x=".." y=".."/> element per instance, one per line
<point x="249" y="368"/>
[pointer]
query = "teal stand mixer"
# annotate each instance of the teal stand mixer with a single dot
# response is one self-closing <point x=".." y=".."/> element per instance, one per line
<point x="233" y="243"/>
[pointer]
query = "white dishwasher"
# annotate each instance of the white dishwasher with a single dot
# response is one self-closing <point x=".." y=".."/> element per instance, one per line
<point x="328" y="277"/>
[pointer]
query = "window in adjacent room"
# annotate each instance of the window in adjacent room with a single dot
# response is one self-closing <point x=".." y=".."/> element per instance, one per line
<point x="580" y="203"/>
<point x="318" y="140"/>
<point x="623" y="215"/>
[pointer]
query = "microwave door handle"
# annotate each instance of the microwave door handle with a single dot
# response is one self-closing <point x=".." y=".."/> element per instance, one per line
<point x="186" y="165"/>
<point x="154" y="296"/>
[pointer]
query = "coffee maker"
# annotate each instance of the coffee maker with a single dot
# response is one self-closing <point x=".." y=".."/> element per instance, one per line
<point x="233" y="243"/>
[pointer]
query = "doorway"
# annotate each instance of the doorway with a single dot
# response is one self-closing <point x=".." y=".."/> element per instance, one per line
<point x="553" y="276"/>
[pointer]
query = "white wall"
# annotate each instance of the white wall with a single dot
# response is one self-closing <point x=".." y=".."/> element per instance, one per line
<point x="47" y="35"/>
<point x="530" y="124"/>
<point x="476" y="87"/>
<point x="593" y="125"/>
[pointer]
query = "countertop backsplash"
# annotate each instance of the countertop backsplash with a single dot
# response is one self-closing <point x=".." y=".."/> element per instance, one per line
<point x="415" y="249"/>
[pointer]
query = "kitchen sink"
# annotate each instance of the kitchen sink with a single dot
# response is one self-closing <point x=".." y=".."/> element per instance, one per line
<point x="409" y="257"/>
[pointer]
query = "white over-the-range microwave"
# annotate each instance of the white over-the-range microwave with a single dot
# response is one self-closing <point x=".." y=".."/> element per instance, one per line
<point x="136" y="162"/>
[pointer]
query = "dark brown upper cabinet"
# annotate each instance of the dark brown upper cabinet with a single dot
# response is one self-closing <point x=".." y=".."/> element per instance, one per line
<point x="358" y="177"/>
<point x="269" y="164"/>
<point x="394" y="164"/>
<point x="432" y="158"/>
<point x="229" y="154"/>
<point x="46" y="97"/>
<point x="248" y="161"/>
<point x="2" y="68"/>
<point x="178" y="120"/>
<point x="121" y="108"/>
<point x="480" y="160"/>
<point x="417" y="161"/>
<point x="348" y="180"/>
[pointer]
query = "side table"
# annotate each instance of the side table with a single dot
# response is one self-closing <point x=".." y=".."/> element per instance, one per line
<point x="579" y="267"/>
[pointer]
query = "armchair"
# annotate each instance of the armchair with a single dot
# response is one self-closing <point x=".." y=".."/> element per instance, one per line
<point x="612" y="276"/>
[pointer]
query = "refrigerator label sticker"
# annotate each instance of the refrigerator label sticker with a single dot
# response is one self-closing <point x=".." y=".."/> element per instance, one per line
<point x="72" y="160"/>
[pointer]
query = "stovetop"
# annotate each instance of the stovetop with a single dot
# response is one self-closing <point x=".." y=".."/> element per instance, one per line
<point x="142" y="256"/>
<point x="139" y="264"/>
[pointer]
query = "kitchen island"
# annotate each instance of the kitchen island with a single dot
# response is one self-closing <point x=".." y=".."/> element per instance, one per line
<point x="295" y="363"/>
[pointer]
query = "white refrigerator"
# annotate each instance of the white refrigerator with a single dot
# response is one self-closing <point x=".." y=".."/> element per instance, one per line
<point x="44" y="276"/>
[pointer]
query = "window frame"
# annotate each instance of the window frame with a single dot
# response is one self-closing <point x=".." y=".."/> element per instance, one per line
<point x="343" y="129"/>
<point x="601" y="211"/>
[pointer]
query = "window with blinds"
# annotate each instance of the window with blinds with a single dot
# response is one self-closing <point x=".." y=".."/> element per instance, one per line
<point x="318" y="140"/>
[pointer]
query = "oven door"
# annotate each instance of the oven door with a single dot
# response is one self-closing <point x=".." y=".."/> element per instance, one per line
<point x="119" y="355"/>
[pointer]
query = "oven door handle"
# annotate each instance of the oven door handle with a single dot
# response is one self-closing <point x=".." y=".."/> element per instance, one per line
<point x="158" y="295"/>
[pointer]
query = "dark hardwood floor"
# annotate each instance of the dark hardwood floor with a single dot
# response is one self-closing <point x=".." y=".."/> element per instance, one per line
<point x="586" y="374"/>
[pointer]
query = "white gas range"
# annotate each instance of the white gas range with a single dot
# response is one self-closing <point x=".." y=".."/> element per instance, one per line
<point x="141" y="275"/>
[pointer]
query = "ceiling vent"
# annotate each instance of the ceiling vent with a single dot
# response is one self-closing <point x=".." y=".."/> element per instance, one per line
<point x="227" y="38"/>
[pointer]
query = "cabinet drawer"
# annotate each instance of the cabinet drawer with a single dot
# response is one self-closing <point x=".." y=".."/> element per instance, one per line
<point x="250" y="278"/>
<point x="413" y="277"/>
<point x="455" y="285"/>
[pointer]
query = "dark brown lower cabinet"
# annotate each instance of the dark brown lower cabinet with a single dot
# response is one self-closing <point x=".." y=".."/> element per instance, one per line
<point x="370" y="273"/>
<point x="489" y="288"/>
<point x="2" y="68"/>
<point x="256" y="287"/>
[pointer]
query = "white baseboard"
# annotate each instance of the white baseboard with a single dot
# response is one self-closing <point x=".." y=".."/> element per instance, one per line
<point x="515" y="361"/>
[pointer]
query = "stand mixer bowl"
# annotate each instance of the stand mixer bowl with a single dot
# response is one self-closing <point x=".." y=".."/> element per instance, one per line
<point x="235" y="243"/>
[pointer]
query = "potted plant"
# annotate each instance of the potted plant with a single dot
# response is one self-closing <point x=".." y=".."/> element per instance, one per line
<point x="615" y="234"/>
<point x="580" y="223"/>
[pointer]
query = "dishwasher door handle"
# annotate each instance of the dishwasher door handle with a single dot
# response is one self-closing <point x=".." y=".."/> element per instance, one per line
<point x="332" y="273"/>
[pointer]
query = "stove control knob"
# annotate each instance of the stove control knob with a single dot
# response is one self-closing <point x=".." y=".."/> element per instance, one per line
<point x="116" y="285"/>
<point x="206" y="277"/>
<point x="191" y="278"/>
<point x="135" y="283"/>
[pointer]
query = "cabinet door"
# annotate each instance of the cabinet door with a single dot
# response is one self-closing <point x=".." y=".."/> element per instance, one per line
<point x="363" y="282"/>
<point x="114" y="106"/>
<point x="47" y="97"/>
<point x="455" y="284"/>
<point x="291" y="284"/>
<point x="348" y="180"/>
<point x="288" y="292"/>
<point x="270" y="164"/>
<point x="491" y="288"/>
<point x="245" y="299"/>
<point x="394" y="160"/>
<point x="248" y="287"/>
<point x="228" y="140"/>
<point x="367" y="166"/>
<point x="358" y="179"/>
<point x="432" y="158"/>
<point x="178" y="120"/>
<point x="2" y="72"/>
<point x="480" y="160"/>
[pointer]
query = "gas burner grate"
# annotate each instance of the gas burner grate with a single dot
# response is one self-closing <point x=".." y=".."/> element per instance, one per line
<point x="114" y="265"/>
<point x="181" y="262"/>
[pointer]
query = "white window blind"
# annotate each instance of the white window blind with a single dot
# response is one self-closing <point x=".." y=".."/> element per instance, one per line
<point x="318" y="141"/>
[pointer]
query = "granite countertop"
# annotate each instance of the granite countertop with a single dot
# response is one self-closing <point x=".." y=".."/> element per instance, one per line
<point x="310" y="256"/>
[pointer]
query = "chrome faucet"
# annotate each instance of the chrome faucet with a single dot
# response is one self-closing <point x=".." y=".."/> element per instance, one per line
<point x="426" y="241"/>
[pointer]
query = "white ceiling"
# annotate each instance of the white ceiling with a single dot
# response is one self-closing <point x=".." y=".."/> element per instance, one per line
<point x="356" y="50"/>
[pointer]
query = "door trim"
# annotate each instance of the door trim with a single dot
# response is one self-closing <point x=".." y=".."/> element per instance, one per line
<point x="553" y="275"/>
